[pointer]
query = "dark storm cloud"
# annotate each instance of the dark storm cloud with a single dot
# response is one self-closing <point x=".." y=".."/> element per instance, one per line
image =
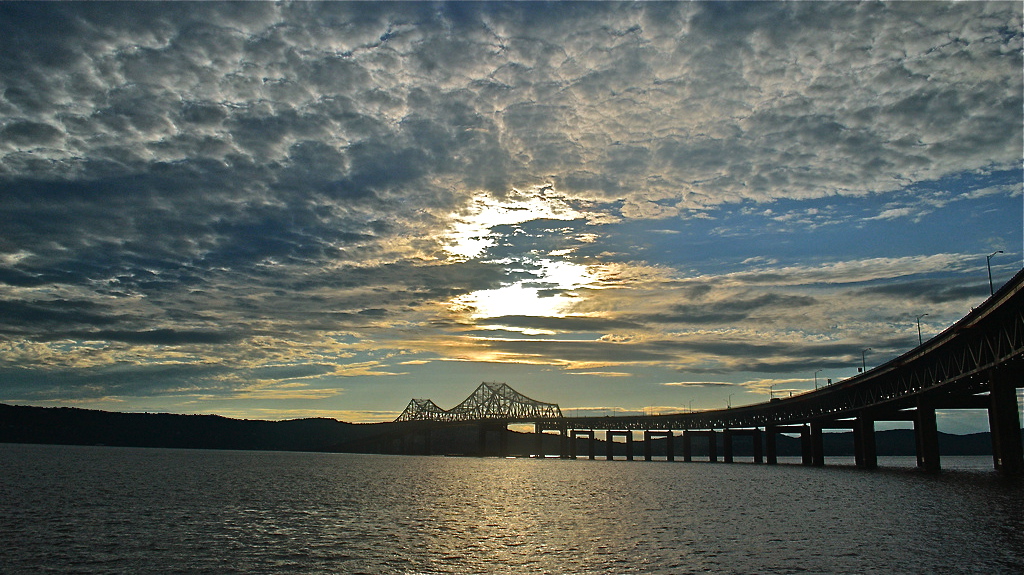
<point x="703" y="355"/>
<point x="159" y="336"/>
<point x="82" y="383"/>
<point x="928" y="290"/>
<point x="563" y="324"/>
<point x="15" y="315"/>
<point x="728" y="311"/>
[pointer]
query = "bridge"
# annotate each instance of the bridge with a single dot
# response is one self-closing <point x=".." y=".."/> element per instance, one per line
<point x="977" y="363"/>
<point x="491" y="400"/>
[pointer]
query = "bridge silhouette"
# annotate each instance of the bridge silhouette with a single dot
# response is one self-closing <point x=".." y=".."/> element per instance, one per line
<point x="977" y="363"/>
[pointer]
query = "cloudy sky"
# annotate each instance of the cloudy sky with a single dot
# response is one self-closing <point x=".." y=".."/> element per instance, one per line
<point x="286" y="210"/>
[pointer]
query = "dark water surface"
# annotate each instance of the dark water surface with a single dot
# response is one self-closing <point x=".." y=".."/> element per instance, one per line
<point x="123" y="510"/>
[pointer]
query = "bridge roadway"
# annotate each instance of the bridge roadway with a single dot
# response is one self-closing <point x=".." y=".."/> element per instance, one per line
<point x="977" y="363"/>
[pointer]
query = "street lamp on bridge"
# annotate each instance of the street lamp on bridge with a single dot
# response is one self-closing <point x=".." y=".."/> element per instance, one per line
<point x="728" y="402"/>
<point x="988" y="262"/>
<point x="863" y="359"/>
<point x="920" y="341"/>
<point x="816" y="378"/>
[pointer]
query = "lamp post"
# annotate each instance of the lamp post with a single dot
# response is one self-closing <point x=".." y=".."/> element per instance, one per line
<point x="771" y="392"/>
<point x="691" y="406"/>
<point x="728" y="403"/>
<point x="816" y="378"/>
<point x="920" y="341"/>
<point x="863" y="359"/>
<point x="988" y="262"/>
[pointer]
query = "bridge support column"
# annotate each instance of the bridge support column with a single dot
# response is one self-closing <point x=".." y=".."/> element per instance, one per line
<point x="563" y="443"/>
<point x="687" y="446"/>
<point x="574" y="436"/>
<point x="806" y="451"/>
<point x="538" y="444"/>
<point x="427" y="442"/>
<point x="610" y="444"/>
<point x="591" y="446"/>
<point x="864" y="448"/>
<point x="755" y="436"/>
<point x="817" y="445"/>
<point x="727" y="446"/>
<point x="713" y="446"/>
<point x="926" y="434"/>
<point x="770" y="446"/>
<point x="481" y="440"/>
<point x="1004" y="423"/>
<point x="649" y="448"/>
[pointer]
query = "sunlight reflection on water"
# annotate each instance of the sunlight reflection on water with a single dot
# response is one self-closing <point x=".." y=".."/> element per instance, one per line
<point x="93" y="510"/>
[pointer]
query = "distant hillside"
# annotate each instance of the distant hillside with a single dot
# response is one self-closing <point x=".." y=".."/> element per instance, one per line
<point x="73" y="426"/>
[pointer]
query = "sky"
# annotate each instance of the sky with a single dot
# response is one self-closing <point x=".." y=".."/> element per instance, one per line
<point x="273" y="211"/>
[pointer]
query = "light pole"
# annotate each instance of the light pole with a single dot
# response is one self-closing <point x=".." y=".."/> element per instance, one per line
<point x="988" y="262"/>
<point x="863" y="359"/>
<point x="771" y="392"/>
<point x="816" y="378"/>
<point x="729" y="402"/>
<point x="691" y="406"/>
<point x="920" y="341"/>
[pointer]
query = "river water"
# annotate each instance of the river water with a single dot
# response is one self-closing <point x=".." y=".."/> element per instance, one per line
<point x="124" y="510"/>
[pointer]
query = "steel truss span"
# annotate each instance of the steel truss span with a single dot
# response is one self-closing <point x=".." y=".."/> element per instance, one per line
<point x="491" y="400"/>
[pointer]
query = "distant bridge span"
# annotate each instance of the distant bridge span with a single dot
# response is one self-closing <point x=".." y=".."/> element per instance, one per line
<point x="977" y="363"/>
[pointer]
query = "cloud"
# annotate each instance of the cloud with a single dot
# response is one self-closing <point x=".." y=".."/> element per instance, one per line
<point x="698" y="384"/>
<point x="727" y="311"/>
<point x="248" y="184"/>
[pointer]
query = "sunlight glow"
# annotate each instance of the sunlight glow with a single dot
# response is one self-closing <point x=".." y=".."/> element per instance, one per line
<point x="549" y="295"/>
<point x="515" y="299"/>
<point x="472" y="230"/>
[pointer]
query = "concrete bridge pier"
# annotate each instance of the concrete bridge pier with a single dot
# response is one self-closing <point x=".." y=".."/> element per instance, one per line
<point x="770" y="447"/>
<point x="428" y="442"/>
<point x="728" y="455"/>
<point x="1004" y="422"/>
<point x="501" y="428"/>
<point x="806" y="449"/>
<point x="577" y="433"/>
<point x="817" y="444"/>
<point x="864" y="448"/>
<point x="712" y="444"/>
<point x="669" y="447"/>
<point x="610" y="436"/>
<point x="926" y="435"/>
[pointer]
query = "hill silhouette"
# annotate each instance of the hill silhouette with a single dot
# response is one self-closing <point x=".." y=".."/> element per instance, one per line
<point x="75" y="426"/>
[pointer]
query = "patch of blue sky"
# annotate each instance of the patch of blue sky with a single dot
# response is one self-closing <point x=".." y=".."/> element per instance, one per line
<point x="965" y="214"/>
